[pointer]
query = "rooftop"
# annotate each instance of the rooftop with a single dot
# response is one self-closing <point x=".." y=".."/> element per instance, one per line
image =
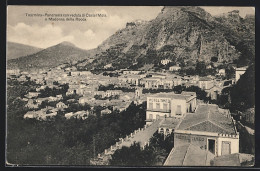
<point x="208" y="118"/>
<point x="242" y="68"/>
<point x="171" y="95"/>
<point x="205" y="79"/>
<point x="169" y="123"/>
<point x="227" y="160"/>
<point x="189" y="155"/>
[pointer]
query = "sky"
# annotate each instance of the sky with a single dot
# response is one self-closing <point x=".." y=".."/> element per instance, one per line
<point x="38" y="32"/>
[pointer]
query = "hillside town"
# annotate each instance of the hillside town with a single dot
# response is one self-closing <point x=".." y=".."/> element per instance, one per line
<point x="204" y="133"/>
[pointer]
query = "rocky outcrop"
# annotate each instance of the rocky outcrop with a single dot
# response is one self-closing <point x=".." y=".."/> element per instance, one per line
<point x="185" y="34"/>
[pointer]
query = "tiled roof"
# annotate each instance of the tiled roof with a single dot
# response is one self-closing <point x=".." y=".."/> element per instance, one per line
<point x="189" y="155"/>
<point x="208" y="118"/>
<point x="227" y="160"/>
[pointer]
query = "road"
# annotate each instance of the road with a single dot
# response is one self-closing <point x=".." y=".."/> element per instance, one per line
<point x="142" y="136"/>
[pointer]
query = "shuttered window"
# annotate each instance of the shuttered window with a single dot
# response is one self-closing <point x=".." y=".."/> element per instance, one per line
<point x="178" y="110"/>
<point x="150" y="106"/>
<point x="157" y="105"/>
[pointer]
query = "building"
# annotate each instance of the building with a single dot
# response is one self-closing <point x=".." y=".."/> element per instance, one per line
<point x="214" y="92"/>
<point x="207" y="133"/>
<point x="138" y="93"/>
<point x="105" y="111"/>
<point x="222" y="72"/>
<point x="108" y="93"/>
<point x="156" y="83"/>
<point x="33" y="94"/>
<point x="165" y="61"/>
<point x="162" y="105"/>
<point x="205" y="83"/>
<point x="130" y="79"/>
<point x="84" y="100"/>
<point x="12" y="72"/>
<point x="239" y="72"/>
<point x="168" y="125"/>
<point x="52" y="98"/>
<point x="30" y="115"/>
<point x="174" y="68"/>
<point x="79" y="115"/>
<point x="61" y="105"/>
<point x="131" y="72"/>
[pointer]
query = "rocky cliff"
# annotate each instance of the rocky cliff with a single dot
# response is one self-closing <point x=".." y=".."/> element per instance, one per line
<point x="183" y="34"/>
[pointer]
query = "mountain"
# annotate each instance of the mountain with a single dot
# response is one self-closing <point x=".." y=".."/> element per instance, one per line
<point x="16" y="50"/>
<point x="183" y="34"/>
<point x="50" y="57"/>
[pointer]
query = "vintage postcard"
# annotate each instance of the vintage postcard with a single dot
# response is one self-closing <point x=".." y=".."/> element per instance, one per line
<point x="130" y="86"/>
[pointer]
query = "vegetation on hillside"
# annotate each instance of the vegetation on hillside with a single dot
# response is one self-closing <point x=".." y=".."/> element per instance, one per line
<point x="61" y="141"/>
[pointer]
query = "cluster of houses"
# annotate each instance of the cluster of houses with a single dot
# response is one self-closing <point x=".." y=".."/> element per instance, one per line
<point x="86" y="85"/>
<point x="202" y="132"/>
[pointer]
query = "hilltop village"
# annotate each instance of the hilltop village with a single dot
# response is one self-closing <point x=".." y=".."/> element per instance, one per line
<point x="183" y="105"/>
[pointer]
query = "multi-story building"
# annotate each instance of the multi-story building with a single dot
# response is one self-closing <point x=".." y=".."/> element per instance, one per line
<point x="205" y="83"/>
<point x="157" y="82"/>
<point x="162" y="105"/>
<point x="165" y="61"/>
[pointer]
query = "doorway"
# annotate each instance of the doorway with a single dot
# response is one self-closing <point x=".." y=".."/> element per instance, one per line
<point x="225" y="148"/>
<point x="211" y="145"/>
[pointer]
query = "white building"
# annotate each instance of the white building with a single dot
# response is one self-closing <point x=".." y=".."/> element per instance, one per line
<point x="205" y="83"/>
<point x="203" y="135"/>
<point x="162" y="105"/>
<point x="239" y="72"/>
<point x="222" y="72"/>
<point x="165" y="61"/>
<point x="61" y="105"/>
<point x="174" y="68"/>
<point x="12" y="71"/>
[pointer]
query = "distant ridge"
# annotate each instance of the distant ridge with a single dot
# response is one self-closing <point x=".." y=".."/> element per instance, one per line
<point x="50" y="57"/>
<point x="16" y="50"/>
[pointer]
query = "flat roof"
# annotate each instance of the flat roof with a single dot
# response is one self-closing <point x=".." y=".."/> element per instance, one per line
<point x="170" y="123"/>
<point x="205" y="79"/>
<point x="208" y="118"/>
<point x="171" y="95"/>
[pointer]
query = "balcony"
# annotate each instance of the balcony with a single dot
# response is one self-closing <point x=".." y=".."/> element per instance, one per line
<point x="158" y="110"/>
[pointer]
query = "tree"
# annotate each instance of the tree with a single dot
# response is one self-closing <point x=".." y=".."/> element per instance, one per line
<point x="243" y="93"/>
<point x="201" y="68"/>
<point x="134" y="156"/>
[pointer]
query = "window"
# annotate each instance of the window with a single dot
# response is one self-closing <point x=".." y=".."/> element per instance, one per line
<point x="150" y="106"/>
<point x="178" y="110"/>
<point x="165" y="106"/>
<point x="157" y="105"/>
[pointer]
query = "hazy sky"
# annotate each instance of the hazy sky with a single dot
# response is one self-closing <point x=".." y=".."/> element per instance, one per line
<point x="88" y="34"/>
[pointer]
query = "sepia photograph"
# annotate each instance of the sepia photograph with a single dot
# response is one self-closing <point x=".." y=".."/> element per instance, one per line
<point x="130" y="86"/>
